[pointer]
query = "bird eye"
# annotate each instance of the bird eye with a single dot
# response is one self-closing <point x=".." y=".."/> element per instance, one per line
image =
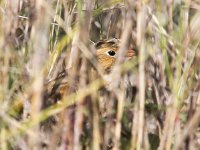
<point x="111" y="53"/>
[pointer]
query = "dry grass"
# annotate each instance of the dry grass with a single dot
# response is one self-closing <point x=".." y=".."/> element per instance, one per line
<point x="151" y="102"/>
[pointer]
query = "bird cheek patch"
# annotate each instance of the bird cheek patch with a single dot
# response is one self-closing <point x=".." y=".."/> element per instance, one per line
<point x="107" y="62"/>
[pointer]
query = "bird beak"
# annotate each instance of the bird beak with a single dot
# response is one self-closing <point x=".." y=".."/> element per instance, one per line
<point x="130" y="53"/>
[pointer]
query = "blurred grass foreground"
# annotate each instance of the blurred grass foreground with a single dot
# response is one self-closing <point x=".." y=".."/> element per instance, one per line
<point x="53" y="94"/>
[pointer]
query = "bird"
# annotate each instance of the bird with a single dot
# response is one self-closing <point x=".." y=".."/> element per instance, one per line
<point x="54" y="90"/>
<point x="106" y="55"/>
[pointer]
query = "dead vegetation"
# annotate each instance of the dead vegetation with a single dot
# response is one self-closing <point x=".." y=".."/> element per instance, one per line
<point x="150" y="102"/>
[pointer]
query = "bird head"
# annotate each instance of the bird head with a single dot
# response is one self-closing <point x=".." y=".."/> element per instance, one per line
<point x="107" y="51"/>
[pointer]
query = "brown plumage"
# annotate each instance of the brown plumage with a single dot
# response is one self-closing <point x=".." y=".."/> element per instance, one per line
<point x="107" y="51"/>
